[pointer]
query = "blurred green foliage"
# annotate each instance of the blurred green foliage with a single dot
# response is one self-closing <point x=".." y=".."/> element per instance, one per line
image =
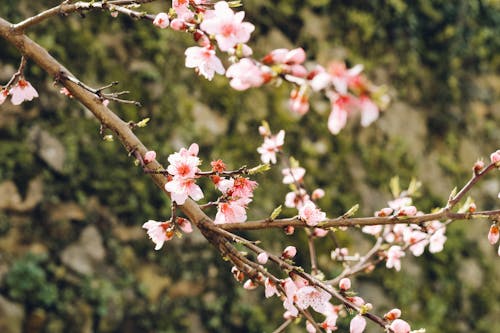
<point x="441" y="60"/>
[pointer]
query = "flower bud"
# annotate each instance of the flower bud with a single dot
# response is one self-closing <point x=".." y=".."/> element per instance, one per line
<point x="478" y="166"/>
<point x="317" y="194"/>
<point x="238" y="275"/>
<point x="393" y="314"/>
<point x="289" y="252"/>
<point x="493" y="234"/>
<point x="400" y="326"/>
<point x="262" y="258"/>
<point x="178" y="24"/>
<point x="161" y="20"/>
<point x="495" y="158"/>
<point x="384" y="212"/>
<point x="149" y="157"/>
<point x="249" y="285"/>
<point x="289" y="230"/>
<point x="345" y="284"/>
<point x="408" y="211"/>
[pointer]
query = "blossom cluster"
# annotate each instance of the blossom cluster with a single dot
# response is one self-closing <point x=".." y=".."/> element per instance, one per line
<point x="218" y="26"/>
<point x="494" y="232"/>
<point x="407" y="236"/>
<point x="20" y="92"/>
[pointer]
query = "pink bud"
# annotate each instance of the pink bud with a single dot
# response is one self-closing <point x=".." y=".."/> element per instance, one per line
<point x="238" y="275"/>
<point x="356" y="300"/>
<point x="495" y="157"/>
<point x="393" y="314"/>
<point x="105" y="102"/>
<point x="249" y="285"/>
<point x="345" y="284"/>
<point x="493" y="234"/>
<point x="295" y="56"/>
<point x="408" y="211"/>
<point x="149" y="157"/>
<point x="400" y="326"/>
<point x="262" y="258"/>
<point x="384" y="212"/>
<point x="178" y="24"/>
<point x="161" y="20"/>
<point x="358" y="324"/>
<point x="264" y="131"/>
<point x="318" y="232"/>
<point x="478" y="166"/>
<point x="289" y="252"/>
<point x="289" y="230"/>
<point x="185" y="225"/>
<point x="317" y="194"/>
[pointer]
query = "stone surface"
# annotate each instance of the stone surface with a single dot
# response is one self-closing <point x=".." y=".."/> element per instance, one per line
<point x="48" y="148"/>
<point x="11" y="316"/>
<point x="84" y="256"/>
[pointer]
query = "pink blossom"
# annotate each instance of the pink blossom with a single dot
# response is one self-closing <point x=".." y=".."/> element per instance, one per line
<point x="408" y="211"/>
<point x="290" y="292"/>
<point x="242" y="187"/>
<point x="369" y="111"/>
<point x="384" y="212"/>
<point x="230" y="212"/>
<point x="372" y="229"/>
<point x="321" y="80"/>
<point x="22" y="91"/>
<point x="296" y="199"/>
<point x="270" y="288"/>
<point x="178" y="24"/>
<point x="342" y="77"/>
<point x="393" y="257"/>
<point x="313" y="297"/>
<point x="238" y="275"/>
<point x="494" y="157"/>
<point x="3" y="95"/>
<point x="158" y="232"/>
<point x="437" y="240"/>
<point x="227" y="26"/>
<point x="249" y="285"/>
<point x="417" y="241"/>
<point x="149" y="156"/>
<point x="310" y="327"/>
<point x="181" y="8"/>
<point x="399" y="203"/>
<point x="493" y="234"/>
<point x="289" y="252"/>
<point x="245" y="74"/>
<point x="293" y="175"/>
<point x="318" y="232"/>
<point x="272" y="145"/>
<point x="161" y="20"/>
<point x="285" y="56"/>
<point x="338" y="117"/>
<point x="180" y="189"/>
<point x="356" y="300"/>
<point x="330" y="323"/>
<point x="311" y="214"/>
<point x="183" y="164"/>
<point x="299" y="101"/>
<point x="393" y="314"/>
<point x="358" y="324"/>
<point x="185" y="225"/>
<point x="345" y="284"/>
<point x="400" y="326"/>
<point x="262" y="258"/>
<point x="204" y="60"/>
<point x="317" y="194"/>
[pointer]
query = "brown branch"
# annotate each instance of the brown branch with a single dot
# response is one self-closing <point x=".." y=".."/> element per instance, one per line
<point x="357" y="221"/>
<point x="66" y="8"/>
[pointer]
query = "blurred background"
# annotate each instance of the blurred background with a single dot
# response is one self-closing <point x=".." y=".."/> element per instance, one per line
<point x="73" y="256"/>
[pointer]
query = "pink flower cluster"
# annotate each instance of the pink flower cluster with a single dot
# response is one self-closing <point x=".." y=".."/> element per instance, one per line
<point x="271" y="146"/>
<point x="237" y="194"/>
<point x="413" y="237"/>
<point x="20" y="92"/>
<point x="182" y="170"/>
<point x="160" y="232"/>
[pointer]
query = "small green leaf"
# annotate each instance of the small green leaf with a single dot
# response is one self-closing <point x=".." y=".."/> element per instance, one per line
<point x="143" y="123"/>
<point x="394" y="185"/>
<point x="352" y="211"/>
<point x="275" y="213"/>
<point x="259" y="169"/>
